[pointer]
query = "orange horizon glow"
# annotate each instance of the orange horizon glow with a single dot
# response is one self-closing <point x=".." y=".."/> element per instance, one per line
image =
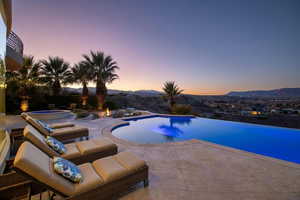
<point x="128" y="88"/>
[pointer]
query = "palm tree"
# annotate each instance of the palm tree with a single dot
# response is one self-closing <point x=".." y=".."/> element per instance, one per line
<point x="55" y="72"/>
<point x="103" y="73"/>
<point x="172" y="91"/>
<point x="82" y="74"/>
<point x="27" y="77"/>
<point x="25" y="80"/>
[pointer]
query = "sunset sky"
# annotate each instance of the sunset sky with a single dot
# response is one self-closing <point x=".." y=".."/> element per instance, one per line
<point x="206" y="46"/>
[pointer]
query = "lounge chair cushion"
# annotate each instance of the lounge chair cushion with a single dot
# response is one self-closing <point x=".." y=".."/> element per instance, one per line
<point x="129" y="161"/>
<point x="94" y="145"/>
<point x="53" y="126"/>
<point x="38" y="165"/>
<point x="109" y="169"/>
<point x="67" y="169"/>
<point x="37" y="125"/>
<point x="104" y="143"/>
<point x="45" y="126"/>
<point x="72" y="152"/>
<point x="55" y="145"/>
<point x="61" y="125"/>
<point x="38" y="140"/>
<point x="24" y="115"/>
<point x="118" y="166"/>
<point x="71" y="130"/>
<point x="91" y="179"/>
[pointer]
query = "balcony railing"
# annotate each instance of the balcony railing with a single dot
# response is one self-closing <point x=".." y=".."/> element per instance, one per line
<point x="15" y="43"/>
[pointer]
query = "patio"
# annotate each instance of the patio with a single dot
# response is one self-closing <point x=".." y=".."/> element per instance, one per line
<point x="201" y="170"/>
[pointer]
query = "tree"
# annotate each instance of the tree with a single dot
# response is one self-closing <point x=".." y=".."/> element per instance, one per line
<point x="55" y="72"/>
<point x="23" y="82"/>
<point x="103" y="68"/>
<point x="172" y="91"/>
<point x="26" y="78"/>
<point x="82" y="73"/>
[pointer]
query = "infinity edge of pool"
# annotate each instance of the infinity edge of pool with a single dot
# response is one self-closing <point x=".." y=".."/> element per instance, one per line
<point x="272" y="155"/>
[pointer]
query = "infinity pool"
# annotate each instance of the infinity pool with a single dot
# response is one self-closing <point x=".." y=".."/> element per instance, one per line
<point x="281" y="143"/>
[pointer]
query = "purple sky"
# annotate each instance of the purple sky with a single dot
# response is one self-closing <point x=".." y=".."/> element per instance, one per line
<point x="206" y="46"/>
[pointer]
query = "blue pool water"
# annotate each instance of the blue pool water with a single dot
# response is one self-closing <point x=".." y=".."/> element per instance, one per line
<point x="281" y="143"/>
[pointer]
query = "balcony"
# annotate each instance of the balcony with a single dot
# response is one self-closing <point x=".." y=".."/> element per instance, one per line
<point x="14" y="52"/>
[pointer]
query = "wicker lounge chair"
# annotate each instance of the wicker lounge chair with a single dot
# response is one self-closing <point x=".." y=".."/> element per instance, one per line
<point x="77" y="152"/>
<point x="60" y="133"/>
<point x="102" y="179"/>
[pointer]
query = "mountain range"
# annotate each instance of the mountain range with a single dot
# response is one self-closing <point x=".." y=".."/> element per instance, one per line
<point x="92" y="90"/>
<point x="279" y="93"/>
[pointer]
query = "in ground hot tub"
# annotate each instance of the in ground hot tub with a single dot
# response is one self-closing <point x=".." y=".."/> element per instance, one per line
<point x="52" y="114"/>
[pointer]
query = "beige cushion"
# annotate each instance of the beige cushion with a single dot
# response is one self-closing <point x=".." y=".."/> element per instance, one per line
<point x="24" y="115"/>
<point x="37" y="126"/>
<point x="70" y="130"/>
<point x="72" y="151"/>
<point x="94" y="145"/>
<point x="104" y="143"/>
<point x="61" y="125"/>
<point x="38" y="165"/>
<point x="129" y="161"/>
<point x="109" y="169"/>
<point x="38" y="140"/>
<point x="91" y="179"/>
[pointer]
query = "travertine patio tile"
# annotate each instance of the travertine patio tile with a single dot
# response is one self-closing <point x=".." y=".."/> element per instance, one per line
<point x="204" y="171"/>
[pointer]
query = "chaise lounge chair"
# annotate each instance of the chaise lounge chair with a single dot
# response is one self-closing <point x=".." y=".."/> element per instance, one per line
<point x="61" y="133"/>
<point x="102" y="179"/>
<point x="54" y="125"/>
<point x="77" y="152"/>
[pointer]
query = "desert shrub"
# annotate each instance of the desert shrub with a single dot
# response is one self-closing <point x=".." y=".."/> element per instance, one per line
<point x="217" y="115"/>
<point x="63" y="101"/>
<point x="180" y="109"/>
<point x="118" y="114"/>
<point x="92" y="101"/>
<point x="80" y="113"/>
<point x="111" y="105"/>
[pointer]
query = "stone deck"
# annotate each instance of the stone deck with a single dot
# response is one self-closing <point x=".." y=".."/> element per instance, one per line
<point x="204" y="171"/>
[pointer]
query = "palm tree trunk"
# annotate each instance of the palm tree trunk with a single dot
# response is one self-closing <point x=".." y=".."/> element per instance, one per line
<point x="85" y="90"/>
<point x="85" y="94"/>
<point x="56" y="88"/>
<point x="101" y="92"/>
<point x="172" y="102"/>
<point x="101" y="100"/>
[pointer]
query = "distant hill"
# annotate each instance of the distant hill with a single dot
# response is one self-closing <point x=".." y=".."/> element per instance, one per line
<point x="279" y="93"/>
<point x="92" y="90"/>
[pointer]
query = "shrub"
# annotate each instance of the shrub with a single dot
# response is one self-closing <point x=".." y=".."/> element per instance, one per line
<point x="111" y="105"/>
<point x="118" y="114"/>
<point x="80" y="113"/>
<point x="92" y="101"/>
<point x="180" y="109"/>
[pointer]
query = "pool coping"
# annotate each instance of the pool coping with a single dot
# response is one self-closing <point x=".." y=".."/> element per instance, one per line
<point x="107" y="131"/>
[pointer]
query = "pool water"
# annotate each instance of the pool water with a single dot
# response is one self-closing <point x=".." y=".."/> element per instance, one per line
<point x="276" y="142"/>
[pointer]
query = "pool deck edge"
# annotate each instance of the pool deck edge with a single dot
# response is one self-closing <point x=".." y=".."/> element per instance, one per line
<point x="107" y="131"/>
